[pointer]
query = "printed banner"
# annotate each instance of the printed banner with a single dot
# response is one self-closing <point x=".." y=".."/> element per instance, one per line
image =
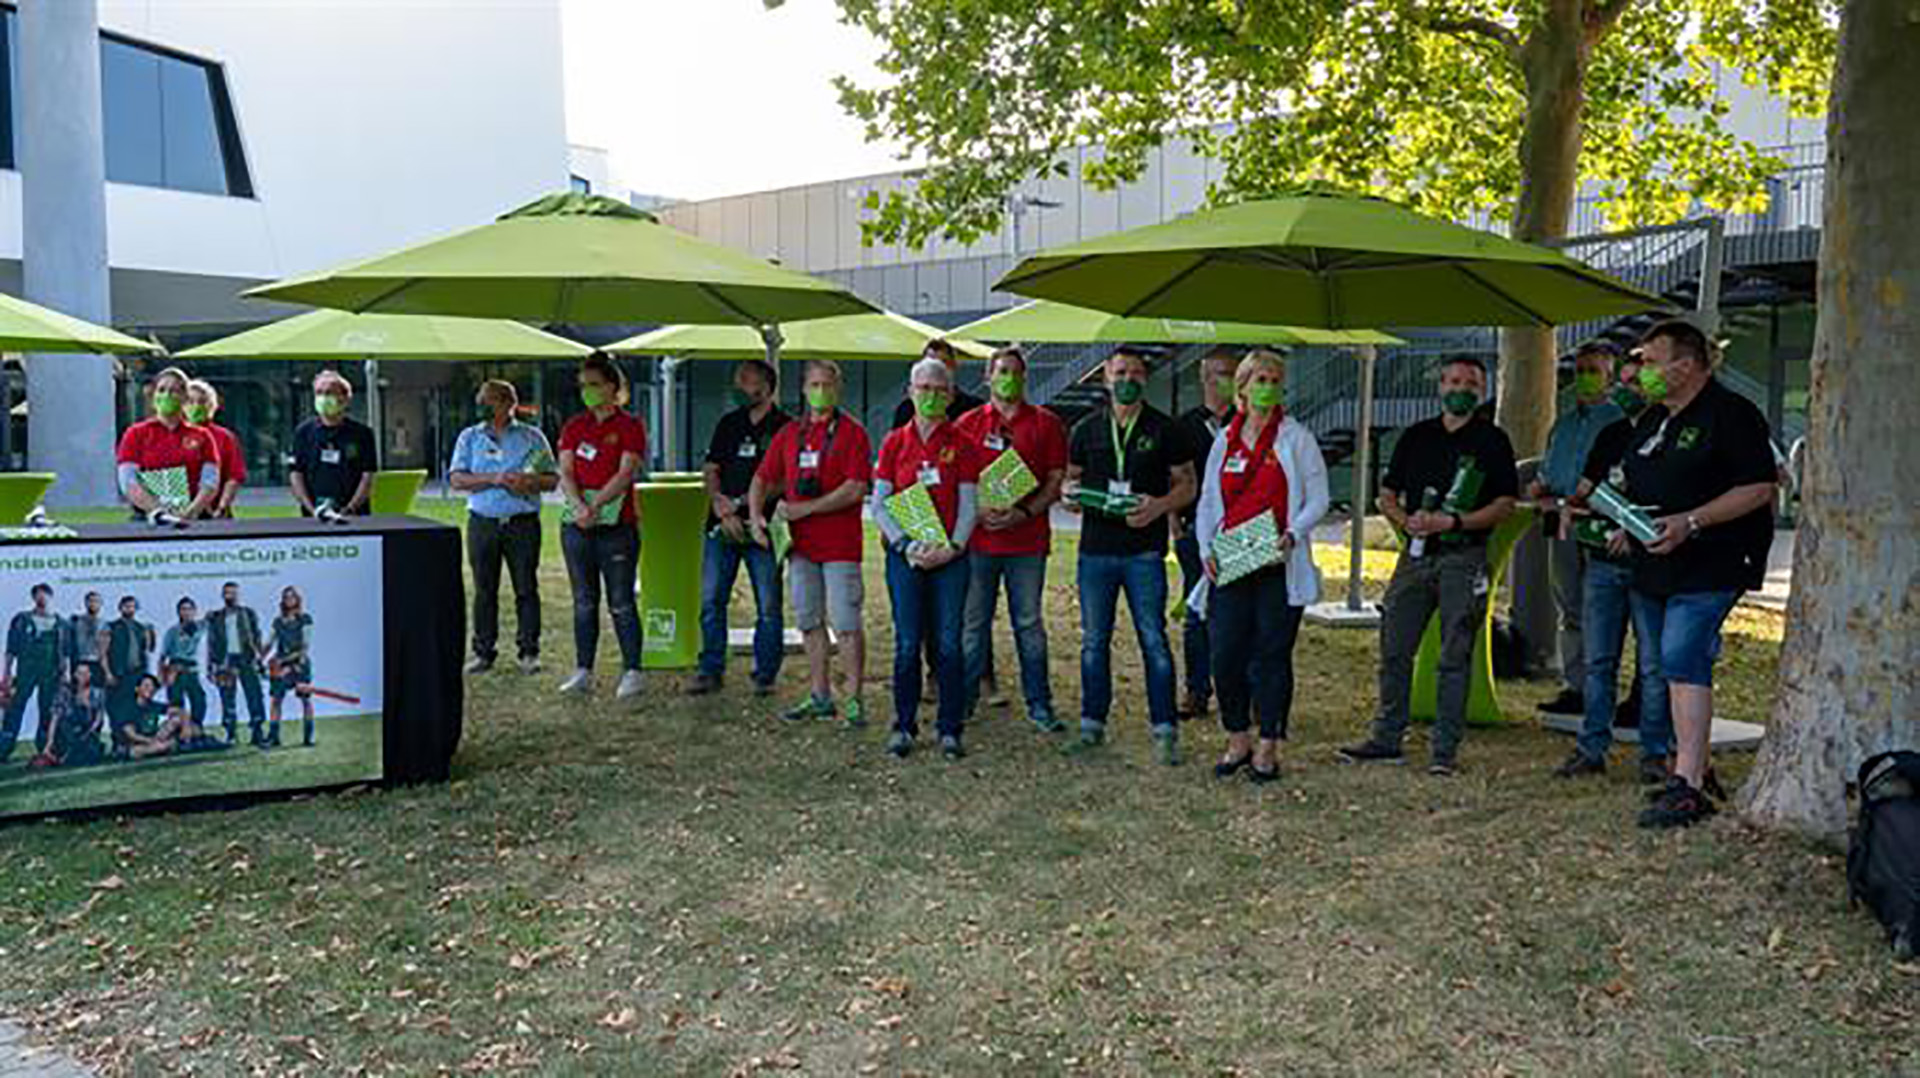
<point x="146" y="671"/>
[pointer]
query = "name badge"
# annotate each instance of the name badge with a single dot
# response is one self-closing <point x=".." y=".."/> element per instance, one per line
<point x="1236" y="465"/>
<point x="493" y="453"/>
<point x="929" y="476"/>
<point x="587" y="451"/>
<point x="747" y="449"/>
<point x="329" y="456"/>
<point x="1120" y="488"/>
<point x="996" y="443"/>
<point x="810" y="458"/>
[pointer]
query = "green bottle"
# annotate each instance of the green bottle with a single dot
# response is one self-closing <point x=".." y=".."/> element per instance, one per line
<point x="1429" y="501"/>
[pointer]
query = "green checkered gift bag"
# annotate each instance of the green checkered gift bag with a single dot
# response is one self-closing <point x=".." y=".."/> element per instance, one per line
<point x="1246" y="548"/>
<point x="914" y="511"/>
<point x="609" y="514"/>
<point x="168" y="486"/>
<point x="1006" y="481"/>
<point x="780" y="535"/>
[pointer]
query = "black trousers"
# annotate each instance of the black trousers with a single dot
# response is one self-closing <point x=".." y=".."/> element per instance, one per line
<point x="1252" y="627"/>
<point x="515" y="542"/>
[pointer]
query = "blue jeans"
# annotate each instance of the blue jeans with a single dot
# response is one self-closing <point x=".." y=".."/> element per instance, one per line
<point x="719" y="567"/>
<point x="1026" y="578"/>
<point x="1604" y="629"/>
<point x="1144" y="578"/>
<point x="921" y="597"/>
<point x="1684" y="630"/>
<point x="609" y="556"/>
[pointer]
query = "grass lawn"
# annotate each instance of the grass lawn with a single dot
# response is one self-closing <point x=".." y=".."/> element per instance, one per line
<point x="692" y="887"/>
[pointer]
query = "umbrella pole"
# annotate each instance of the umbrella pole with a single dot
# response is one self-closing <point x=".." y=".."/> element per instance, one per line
<point x="1361" y="452"/>
<point x="374" y="418"/>
<point x="669" y="446"/>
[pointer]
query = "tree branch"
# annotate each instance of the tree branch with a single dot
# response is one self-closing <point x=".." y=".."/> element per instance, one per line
<point x="1479" y="26"/>
<point x="1601" y="17"/>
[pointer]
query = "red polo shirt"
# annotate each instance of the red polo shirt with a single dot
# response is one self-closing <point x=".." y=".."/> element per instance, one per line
<point x="1041" y="440"/>
<point x="233" y="463"/>
<point x="1251" y="480"/>
<point x="597" y="445"/>
<point x="834" y="452"/>
<point x="946" y="456"/>
<point x="152" y="446"/>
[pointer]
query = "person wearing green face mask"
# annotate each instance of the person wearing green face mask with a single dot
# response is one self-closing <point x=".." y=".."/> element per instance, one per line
<point x="203" y="406"/>
<point x="334" y="455"/>
<point x="168" y="469"/>
<point x="740" y="442"/>
<point x="603" y="452"/>
<point x="1568" y="444"/>
<point x="1014" y="537"/>
<point x="1450" y="483"/>
<point x="1202" y="424"/>
<point x="503" y="466"/>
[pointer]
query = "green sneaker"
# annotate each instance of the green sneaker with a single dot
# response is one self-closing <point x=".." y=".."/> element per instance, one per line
<point x="1046" y="723"/>
<point x="811" y="708"/>
<point x="1089" y="742"/>
<point x="856" y="715"/>
<point x="1166" y="749"/>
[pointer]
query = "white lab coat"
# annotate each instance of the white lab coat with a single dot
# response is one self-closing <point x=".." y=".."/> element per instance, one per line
<point x="1306" y="471"/>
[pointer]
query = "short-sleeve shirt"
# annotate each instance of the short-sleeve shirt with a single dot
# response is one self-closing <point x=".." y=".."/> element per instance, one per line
<point x="1153" y="446"/>
<point x="150" y="445"/>
<point x="332" y="460"/>
<point x="597" y="445"/>
<point x="480" y="450"/>
<point x="1041" y="440"/>
<point x="1201" y="426"/>
<point x="1477" y="458"/>
<point x="1603" y="466"/>
<point x="233" y="460"/>
<point x="822" y="455"/>
<point x="1677" y="463"/>
<point x="738" y="446"/>
<point x="942" y="462"/>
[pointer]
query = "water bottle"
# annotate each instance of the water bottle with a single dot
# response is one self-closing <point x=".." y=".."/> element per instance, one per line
<point x="1429" y="501"/>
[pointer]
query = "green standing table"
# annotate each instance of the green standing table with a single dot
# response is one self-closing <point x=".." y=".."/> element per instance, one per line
<point x="1483" y="702"/>
<point x="673" y="516"/>
<point x="19" y="493"/>
<point x="394" y="492"/>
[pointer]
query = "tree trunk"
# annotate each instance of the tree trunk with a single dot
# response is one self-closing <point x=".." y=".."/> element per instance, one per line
<point x="1553" y="62"/>
<point x="1850" y="669"/>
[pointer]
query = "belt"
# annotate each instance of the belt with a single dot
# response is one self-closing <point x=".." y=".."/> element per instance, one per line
<point x="504" y="519"/>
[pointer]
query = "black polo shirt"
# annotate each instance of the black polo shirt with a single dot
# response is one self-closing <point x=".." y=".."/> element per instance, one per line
<point x="737" y="448"/>
<point x="1609" y="447"/>
<point x="1155" y="444"/>
<point x="1200" y="426"/>
<point x="1676" y="464"/>
<point x="1478" y="457"/>
<point x="963" y="402"/>
<point x="332" y="459"/>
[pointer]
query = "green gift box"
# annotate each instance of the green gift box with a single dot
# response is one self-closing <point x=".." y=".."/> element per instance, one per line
<point x="914" y="511"/>
<point x="1006" y="481"/>
<point x="1246" y="548"/>
<point x="780" y="534"/>
<point x="608" y="514"/>
<point x="168" y="486"/>
<point x="1113" y="505"/>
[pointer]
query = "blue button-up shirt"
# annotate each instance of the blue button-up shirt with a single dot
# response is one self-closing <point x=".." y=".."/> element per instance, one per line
<point x="521" y="448"/>
<point x="1571" y="440"/>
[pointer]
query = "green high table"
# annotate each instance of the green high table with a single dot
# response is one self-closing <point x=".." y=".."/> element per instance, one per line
<point x="1483" y="701"/>
<point x="673" y="516"/>
<point x="19" y="493"/>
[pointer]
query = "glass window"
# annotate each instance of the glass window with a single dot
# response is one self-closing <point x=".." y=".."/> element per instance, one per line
<point x="191" y="156"/>
<point x="580" y="185"/>
<point x="130" y="100"/>
<point x="7" y="57"/>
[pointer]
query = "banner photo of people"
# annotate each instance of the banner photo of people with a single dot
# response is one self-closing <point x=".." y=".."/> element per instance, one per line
<point x="148" y="671"/>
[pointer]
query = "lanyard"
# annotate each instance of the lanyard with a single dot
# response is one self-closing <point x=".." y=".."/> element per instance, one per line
<point x="826" y="447"/>
<point x="1120" y="439"/>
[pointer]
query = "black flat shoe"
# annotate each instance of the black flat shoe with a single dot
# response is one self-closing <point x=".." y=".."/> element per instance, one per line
<point x="1263" y="777"/>
<point x="1226" y="768"/>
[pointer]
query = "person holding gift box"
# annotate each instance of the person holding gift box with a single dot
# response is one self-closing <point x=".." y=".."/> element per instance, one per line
<point x="1029" y="444"/>
<point x="1129" y="467"/>
<point x="334" y="455"/>
<point x="603" y="451"/>
<point x="740" y="442"/>
<point x="1264" y="467"/>
<point x="924" y="500"/>
<point x="169" y="469"/>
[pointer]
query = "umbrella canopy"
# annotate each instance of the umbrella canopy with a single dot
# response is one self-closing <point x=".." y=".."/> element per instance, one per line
<point x="327" y="336"/>
<point x="1058" y="323"/>
<point x="884" y="335"/>
<point x="1326" y="260"/>
<point x="573" y="258"/>
<point x="29" y="327"/>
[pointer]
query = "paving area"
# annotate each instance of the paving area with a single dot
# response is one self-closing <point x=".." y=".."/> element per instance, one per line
<point x="19" y="1059"/>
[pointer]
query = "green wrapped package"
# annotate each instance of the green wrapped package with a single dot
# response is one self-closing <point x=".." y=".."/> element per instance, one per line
<point x="914" y="511"/>
<point x="780" y="535"/>
<point x="1007" y="480"/>
<point x="168" y="486"/>
<point x="608" y="514"/>
<point x="1113" y="505"/>
<point x="1246" y="548"/>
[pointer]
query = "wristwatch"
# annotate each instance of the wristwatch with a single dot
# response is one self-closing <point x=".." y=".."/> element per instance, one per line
<point x="1694" y="524"/>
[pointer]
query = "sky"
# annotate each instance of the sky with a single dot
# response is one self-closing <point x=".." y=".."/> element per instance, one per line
<point x="703" y="98"/>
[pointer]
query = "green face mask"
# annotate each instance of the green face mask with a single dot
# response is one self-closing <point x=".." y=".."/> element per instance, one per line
<point x="166" y="405"/>
<point x="593" y="396"/>
<point x="822" y="399"/>
<point x="1588" y="384"/>
<point x="327" y="405"/>
<point x="1625" y="399"/>
<point x="1653" y="381"/>
<point x="741" y="398"/>
<point x="930" y="405"/>
<point x="1263" y="396"/>
<point x="1128" y="391"/>
<point x="198" y="413"/>
<point x="1460" y="401"/>
<point x="1009" y="386"/>
<point x="1223" y="385"/>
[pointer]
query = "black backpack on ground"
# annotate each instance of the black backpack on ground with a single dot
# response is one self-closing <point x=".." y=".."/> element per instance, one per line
<point x="1883" y="858"/>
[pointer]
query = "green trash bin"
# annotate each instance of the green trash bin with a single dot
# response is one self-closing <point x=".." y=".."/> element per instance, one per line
<point x="19" y="493"/>
<point x="1483" y="701"/>
<point x="673" y="515"/>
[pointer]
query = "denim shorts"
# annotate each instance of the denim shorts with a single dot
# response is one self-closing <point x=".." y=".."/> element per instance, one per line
<point x="825" y="594"/>
<point x="1690" y="633"/>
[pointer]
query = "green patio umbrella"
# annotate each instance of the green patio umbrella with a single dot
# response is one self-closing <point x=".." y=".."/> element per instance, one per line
<point x="29" y="327"/>
<point x="327" y="336"/>
<point x="1045" y="322"/>
<point x="578" y="259"/>
<point x="883" y="335"/>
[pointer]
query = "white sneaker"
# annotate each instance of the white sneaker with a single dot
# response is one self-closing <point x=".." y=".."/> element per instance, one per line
<point x="529" y="664"/>
<point x="579" y="684"/>
<point x="630" y="685"/>
<point x="477" y="665"/>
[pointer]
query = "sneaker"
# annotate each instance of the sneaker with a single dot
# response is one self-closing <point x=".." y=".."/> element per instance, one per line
<point x="529" y="664"/>
<point x="478" y="665"/>
<point x="763" y="688"/>
<point x="1443" y="767"/>
<point x="1567" y="703"/>
<point x="1578" y="764"/>
<point x="900" y="744"/>
<point x="1046" y="723"/>
<point x="703" y="685"/>
<point x="1679" y="805"/>
<point x="1371" y="752"/>
<point x="856" y="715"/>
<point x="579" y="683"/>
<point x="1093" y="734"/>
<point x="1166" y="750"/>
<point x="630" y="685"/>
<point x="812" y="707"/>
<point x="1653" y="771"/>
<point x="951" y="748"/>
